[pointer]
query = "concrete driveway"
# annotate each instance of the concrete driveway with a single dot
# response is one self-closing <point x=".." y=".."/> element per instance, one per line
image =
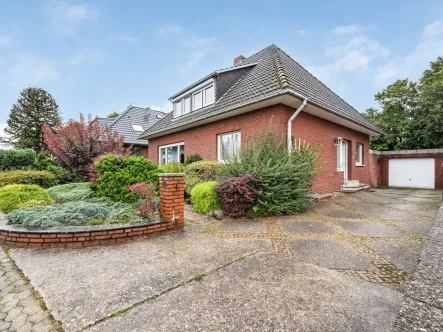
<point x="343" y="266"/>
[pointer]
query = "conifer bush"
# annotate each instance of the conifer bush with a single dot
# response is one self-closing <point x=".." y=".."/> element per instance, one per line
<point x="192" y="159"/>
<point x="204" y="198"/>
<point x="200" y="171"/>
<point x="286" y="177"/>
<point x="71" y="192"/>
<point x="40" y="178"/>
<point x="15" y="196"/>
<point x="16" y="159"/>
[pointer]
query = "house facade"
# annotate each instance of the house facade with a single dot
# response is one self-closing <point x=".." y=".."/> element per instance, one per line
<point x="269" y="90"/>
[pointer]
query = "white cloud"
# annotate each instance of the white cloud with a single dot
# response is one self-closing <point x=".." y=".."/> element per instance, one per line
<point x="300" y="31"/>
<point x="5" y="40"/>
<point x="126" y="38"/>
<point x="428" y="48"/>
<point x="3" y="134"/>
<point x="31" y="71"/>
<point x="169" y="29"/>
<point x="65" y="17"/>
<point x="86" y="58"/>
<point x="347" y="29"/>
<point x="197" y="49"/>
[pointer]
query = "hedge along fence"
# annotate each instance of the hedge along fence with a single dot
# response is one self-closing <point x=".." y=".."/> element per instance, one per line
<point x="41" y="178"/>
<point x="16" y="159"/>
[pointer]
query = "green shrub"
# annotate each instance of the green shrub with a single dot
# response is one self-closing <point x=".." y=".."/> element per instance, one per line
<point x="16" y="195"/>
<point x="42" y="162"/>
<point x="200" y="171"/>
<point x="36" y="202"/>
<point x="285" y="178"/>
<point x="45" y="163"/>
<point x="171" y="168"/>
<point x="71" y="192"/>
<point x="16" y="159"/>
<point x="116" y="174"/>
<point x="192" y="159"/>
<point x="40" y="178"/>
<point x="71" y="214"/>
<point x="204" y="198"/>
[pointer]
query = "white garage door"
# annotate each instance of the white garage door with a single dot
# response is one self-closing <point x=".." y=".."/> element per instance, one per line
<point x="412" y="173"/>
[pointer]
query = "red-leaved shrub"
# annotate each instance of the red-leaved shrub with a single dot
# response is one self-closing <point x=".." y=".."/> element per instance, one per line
<point x="146" y="192"/>
<point x="76" y="144"/>
<point x="237" y="194"/>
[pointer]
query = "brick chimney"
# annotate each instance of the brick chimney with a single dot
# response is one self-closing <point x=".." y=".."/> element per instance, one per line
<point x="238" y="59"/>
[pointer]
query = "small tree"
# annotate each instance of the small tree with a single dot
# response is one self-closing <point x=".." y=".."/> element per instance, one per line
<point x="113" y="115"/>
<point x="76" y="144"/>
<point x="33" y="108"/>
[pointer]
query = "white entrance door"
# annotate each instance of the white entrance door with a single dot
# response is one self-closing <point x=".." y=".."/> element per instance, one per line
<point x="342" y="159"/>
<point x="412" y="173"/>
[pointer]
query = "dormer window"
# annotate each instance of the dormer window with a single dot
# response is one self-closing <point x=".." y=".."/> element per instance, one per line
<point x="194" y="99"/>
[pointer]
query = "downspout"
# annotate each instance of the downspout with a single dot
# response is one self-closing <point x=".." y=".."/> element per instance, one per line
<point x="290" y="122"/>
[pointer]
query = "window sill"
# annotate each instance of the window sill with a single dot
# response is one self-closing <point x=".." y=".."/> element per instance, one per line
<point x="359" y="165"/>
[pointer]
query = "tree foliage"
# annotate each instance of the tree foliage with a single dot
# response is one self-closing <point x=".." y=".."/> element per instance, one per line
<point x="113" y="115"/>
<point x="33" y="108"/>
<point x="411" y="113"/>
<point x="76" y="144"/>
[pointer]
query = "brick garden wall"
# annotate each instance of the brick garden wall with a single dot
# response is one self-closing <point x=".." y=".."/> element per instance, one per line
<point x="202" y="140"/>
<point x="171" y="204"/>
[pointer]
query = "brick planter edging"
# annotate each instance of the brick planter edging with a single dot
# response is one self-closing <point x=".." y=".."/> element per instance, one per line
<point x="81" y="238"/>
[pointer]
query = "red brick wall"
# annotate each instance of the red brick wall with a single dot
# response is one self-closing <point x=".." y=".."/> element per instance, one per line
<point x="202" y="140"/>
<point x="384" y="165"/>
<point x="172" y="198"/>
<point x="374" y="170"/>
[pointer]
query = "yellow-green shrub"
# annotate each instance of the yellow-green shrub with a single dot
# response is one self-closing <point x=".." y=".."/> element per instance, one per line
<point x="204" y="198"/>
<point x="40" y="178"/>
<point x="200" y="171"/>
<point x="17" y="195"/>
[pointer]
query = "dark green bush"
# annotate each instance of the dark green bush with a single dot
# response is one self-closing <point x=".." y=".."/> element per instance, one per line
<point x="285" y="178"/>
<point x="40" y="178"/>
<point x="45" y="163"/>
<point x="16" y="159"/>
<point x="200" y="171"/>
<point x="42" y="162"/>
<point x="71" y="192"/>
<point x="192" y="159"/>
<point x="73" y="214"/>
<point x="116" y="174"/>
<point x="171" y="168"/>
<point x="17" y="195"/>
<point x="204" y="198"/>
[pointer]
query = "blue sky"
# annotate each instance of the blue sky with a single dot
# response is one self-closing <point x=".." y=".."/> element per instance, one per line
<point x="98" y="56"/>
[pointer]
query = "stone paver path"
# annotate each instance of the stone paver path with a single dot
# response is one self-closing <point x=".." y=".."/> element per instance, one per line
<point x="20" y="309"/>
<point x="342" y="266"/>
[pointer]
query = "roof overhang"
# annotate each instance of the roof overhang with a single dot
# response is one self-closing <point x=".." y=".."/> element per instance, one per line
<point x="287" y="97"/>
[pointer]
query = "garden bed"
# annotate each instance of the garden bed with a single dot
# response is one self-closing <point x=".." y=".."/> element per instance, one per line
<point x="79" y="236"/>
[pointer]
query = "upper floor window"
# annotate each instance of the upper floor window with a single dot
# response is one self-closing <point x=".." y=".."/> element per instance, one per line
<point x="195" y="99"/>
<point x="359" y="154"/>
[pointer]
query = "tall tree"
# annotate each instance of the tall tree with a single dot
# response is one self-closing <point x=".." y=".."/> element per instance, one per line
<point x="428" y="122"/>
<point x="399" y="105"/>
<point x="33" y="108"/>
<point x="113" y="115"/>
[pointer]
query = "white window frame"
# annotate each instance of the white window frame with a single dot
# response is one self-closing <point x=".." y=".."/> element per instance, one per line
<point x="205" y="103"/>
<point x="340" y="162"/>
<point x="359" y="149"/>
<point x="184" y="103"/>
<point x="176" y="113"/>
<point x="193" y="100"/>
<point x="219" y="143"/>
<point x="168" y="146"/>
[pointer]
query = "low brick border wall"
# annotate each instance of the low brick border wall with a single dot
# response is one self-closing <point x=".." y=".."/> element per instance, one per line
<point x="171" y="217"/>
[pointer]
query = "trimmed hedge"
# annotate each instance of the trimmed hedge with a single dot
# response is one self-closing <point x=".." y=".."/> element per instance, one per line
<point x="192" y="159"/>
<point x="17" y="195"/>
<point x="71" y="192"/>
<point x="116" y="174"/>
<point x="171" y="168"/>
<point x="16" y="159"/>
<point x="200" y="171"/>
<point x="40" y="178"/>
<point x="204" y="198"/>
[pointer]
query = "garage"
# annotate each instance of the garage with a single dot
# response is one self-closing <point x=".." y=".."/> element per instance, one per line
<point x="412" y="173"/>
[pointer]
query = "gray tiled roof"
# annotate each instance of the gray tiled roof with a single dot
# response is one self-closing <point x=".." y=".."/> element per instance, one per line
<point x="274" y="73"/>
<point x="106" y="122"/>
<point x="145" y="117"/>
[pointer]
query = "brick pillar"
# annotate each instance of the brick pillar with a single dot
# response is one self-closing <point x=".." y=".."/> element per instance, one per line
<point x="172" y="197"/>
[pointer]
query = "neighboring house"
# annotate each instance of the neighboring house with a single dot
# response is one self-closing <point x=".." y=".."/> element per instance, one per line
<point x="216" y="115"/>
<point x="131" y="123"/>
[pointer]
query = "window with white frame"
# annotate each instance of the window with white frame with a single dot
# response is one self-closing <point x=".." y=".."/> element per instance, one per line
<point x="187" y="105"/>
<point x="359" y="154"/>
<point x="178" y="108"/>
<point x="172" y="153"/>
<point x="228" y="145"/>
<point x="194" y="99"/>
<point x="340" y="157"/>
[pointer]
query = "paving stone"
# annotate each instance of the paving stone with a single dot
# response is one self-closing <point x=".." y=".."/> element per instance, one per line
<point x="403" y="256"/>
<point x="418" y="316"/>
<point x="346" y="199"/>
<point x="23" y="295"/>
<point x="421" y="228"/>
<point x="243" y="226"/>
<point x="369" y="228"/>
<point x="409" y="207"/>
<point x="419" y="199"/>
<point x="366" y="206"/>
<point x="10" y="305"/>
<point x="44" y="326"/>
<point x="305" y="227"/>
<point x="32" y="309"/>
<point x="396" y="215"/>
<point x="37" y="317"/>
<point x="7" y="298"/>
<point x="13" y="314"/>
<point x="330" y="254"/>
<point x="4" y="326"/>
<point x="19" y="321"/>
<point x="26" y="328"/>
<point x="342" y="214"/>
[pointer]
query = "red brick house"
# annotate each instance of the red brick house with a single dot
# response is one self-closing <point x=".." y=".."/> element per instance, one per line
<point x="216" y="114"/>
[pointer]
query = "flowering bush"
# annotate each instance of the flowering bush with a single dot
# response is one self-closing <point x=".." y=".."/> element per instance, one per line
<point x="76" y="144"/>
<point x="146" y="192"/>
<point x="238" y="194"/>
